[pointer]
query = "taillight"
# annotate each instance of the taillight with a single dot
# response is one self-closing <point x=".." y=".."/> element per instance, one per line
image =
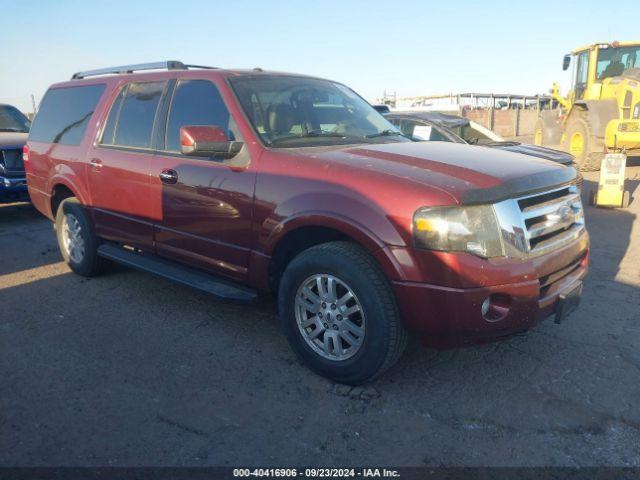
<point x="25" y="154"/>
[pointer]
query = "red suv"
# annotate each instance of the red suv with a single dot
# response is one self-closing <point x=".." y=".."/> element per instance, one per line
<point x="238" y="182"/>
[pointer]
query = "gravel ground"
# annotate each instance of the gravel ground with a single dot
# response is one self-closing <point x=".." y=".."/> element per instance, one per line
<point x="129" y="369"/>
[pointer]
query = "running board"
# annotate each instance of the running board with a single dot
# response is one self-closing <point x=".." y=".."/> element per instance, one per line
<point x="191" y="277"/>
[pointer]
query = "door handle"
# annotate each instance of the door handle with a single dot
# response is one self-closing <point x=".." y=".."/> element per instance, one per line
<point x="95" y="163"/>
<point x="169" y="176"/>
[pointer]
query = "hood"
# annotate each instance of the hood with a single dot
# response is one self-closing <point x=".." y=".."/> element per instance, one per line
<point x="471" y="174"/>
<point x="541" y="152"/>
<point x="12" y="139"/>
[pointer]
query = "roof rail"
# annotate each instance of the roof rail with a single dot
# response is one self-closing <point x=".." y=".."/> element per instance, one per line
<point x="168" y="65"/>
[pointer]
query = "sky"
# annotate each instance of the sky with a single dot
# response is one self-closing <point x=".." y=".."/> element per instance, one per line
<point x="410" y="47"/>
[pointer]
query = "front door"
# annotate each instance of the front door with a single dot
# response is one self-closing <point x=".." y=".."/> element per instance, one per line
<point x="204" y="205"/>
<point x="119" y="167"/>
<point x="582" y="74"/>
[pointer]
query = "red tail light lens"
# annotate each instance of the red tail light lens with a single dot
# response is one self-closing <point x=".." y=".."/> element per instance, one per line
<point x="25" y="154"/>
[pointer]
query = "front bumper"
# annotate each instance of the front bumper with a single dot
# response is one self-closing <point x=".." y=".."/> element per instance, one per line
<point x="445" y="316"/>
<point x="13" y="190"/>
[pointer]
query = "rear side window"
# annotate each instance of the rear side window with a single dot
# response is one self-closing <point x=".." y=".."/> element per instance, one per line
<point x="110" y="128"/>
<point x="65" y="113"/>
<point x="196" y="102"/>
<point x="132" y="116"/>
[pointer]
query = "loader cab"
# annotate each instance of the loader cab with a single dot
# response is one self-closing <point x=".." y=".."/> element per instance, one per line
<point x="595" y="63"/>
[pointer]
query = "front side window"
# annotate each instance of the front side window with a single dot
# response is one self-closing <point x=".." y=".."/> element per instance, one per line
<point x="132" y="115"/>
<point x="613" y="62"/>
<point x="65" y="113"/>
<point x="475" y="134"/>
<point x="12" y="120"/>
<point x="289" y="111"/>
<point x="197" y="102"/>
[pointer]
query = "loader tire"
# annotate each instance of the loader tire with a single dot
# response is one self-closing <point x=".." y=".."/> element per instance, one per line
<point x="579" y="141"/>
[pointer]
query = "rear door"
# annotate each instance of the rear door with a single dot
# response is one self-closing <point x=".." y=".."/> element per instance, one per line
<point x="119" y="166"/>
<point x="204" y="218"/>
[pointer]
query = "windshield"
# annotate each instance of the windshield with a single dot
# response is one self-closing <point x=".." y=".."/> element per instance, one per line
<point x="12" y="120"/>
<point x="476" y="134"/>
<point x="289" y="111"/>
<point x="612" y="62"/>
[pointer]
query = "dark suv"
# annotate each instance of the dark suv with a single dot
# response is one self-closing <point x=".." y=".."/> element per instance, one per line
<point x="14" y="127"/>
<point x="244" y="181"/>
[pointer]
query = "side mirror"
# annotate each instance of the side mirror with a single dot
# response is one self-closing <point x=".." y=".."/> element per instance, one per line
<point x="207" y="141"/>
<point x="566" y="61"/>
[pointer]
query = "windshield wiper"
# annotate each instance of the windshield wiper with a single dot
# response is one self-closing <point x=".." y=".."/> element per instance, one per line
<point x="505" y="143"/>
<point x="387" y="133"/>
<point x="311" y="134"/>
<point x="322" y="133"/>
<point x="12" y="129"/>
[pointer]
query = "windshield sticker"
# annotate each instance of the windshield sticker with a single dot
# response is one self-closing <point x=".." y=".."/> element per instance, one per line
<point x="422" y="132"/>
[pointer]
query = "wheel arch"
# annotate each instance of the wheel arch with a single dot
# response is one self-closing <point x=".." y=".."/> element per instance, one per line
<point x="304" y="231"/>
<point x="59" y="192"/>
<point x="598" y="113"/>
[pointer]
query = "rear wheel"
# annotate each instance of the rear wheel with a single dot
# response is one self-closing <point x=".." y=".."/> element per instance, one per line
<point x="339" y="313"/>
<point x="76" y="239"/>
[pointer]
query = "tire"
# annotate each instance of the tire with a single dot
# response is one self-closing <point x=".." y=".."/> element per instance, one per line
<point x="589" y="156"/>
<point x="383" y="336"/>
<point x="76" y="239"/>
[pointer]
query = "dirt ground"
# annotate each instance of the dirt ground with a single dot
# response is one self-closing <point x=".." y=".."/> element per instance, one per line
<point x="129" y="369"/>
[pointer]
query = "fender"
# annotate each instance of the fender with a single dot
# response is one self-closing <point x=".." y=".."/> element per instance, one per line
<point x="343" y="212"/>
<point x="300" y="214"/>
<point x="64" y="175"/>
<point x="600" y="113"/>
<point x="361" y="234"/>
<point x="355" y="230"/>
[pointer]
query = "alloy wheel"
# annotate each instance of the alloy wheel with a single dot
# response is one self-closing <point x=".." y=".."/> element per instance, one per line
<point x="330" y="317"/>
<point x="72" y="239"/>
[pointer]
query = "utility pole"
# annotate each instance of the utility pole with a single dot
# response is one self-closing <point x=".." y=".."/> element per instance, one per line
<point x="33" y="104"/>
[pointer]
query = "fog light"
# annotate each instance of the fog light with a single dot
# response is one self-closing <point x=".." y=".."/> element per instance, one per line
<point x="495" y="307"/>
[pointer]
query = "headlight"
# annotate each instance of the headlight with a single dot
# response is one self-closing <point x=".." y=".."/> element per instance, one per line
<point x="472" y="229"/>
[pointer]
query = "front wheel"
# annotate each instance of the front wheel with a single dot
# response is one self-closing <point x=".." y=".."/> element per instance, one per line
<point x="579" y="142"/>
<point x="76" y="239"/>
<point x="339" y="313"/>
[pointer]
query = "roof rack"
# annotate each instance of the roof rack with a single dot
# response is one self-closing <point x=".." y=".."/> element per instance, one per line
<point x="168" y="65"/>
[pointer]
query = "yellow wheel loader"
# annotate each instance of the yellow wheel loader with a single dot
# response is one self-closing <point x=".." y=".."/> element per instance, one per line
<point x="601" y="113"/>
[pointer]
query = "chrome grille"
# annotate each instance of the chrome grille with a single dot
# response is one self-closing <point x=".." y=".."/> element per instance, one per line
<point x="536" y="224"/>
<point x="12" y="159"/>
